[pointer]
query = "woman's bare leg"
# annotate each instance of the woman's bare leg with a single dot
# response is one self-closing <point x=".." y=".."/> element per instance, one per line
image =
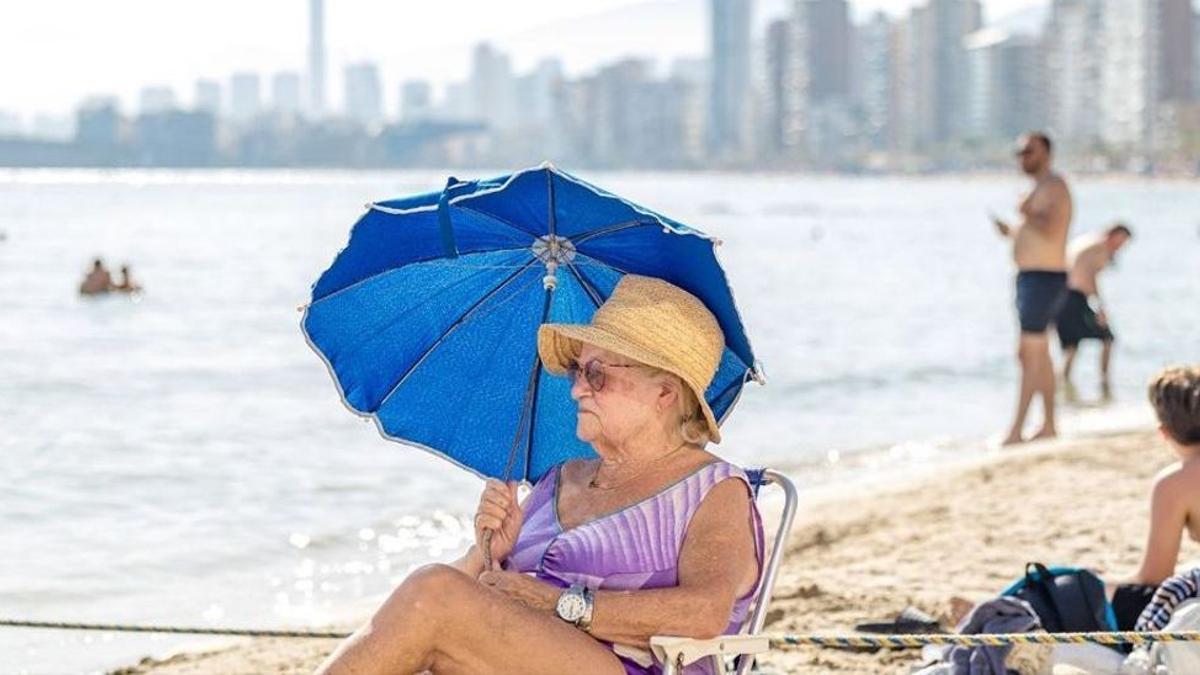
<point x="441" y="620"/>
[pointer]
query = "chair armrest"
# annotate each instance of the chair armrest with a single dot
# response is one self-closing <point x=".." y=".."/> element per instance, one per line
<point x="673" y="652"/>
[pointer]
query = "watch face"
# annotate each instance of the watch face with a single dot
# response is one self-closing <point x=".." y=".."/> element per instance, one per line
<point x="571" y="606"/>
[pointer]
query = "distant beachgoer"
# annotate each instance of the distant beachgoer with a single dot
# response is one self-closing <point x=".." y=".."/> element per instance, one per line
<point x="1175" y="498"/>
<point x="1089" y="255"/>
<point x="1040" y="253"/>
<point x="97" y="281"/>
<point x="127" y="284"/>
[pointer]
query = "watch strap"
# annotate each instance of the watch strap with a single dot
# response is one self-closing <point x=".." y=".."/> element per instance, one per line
<point x="589" y="604"/>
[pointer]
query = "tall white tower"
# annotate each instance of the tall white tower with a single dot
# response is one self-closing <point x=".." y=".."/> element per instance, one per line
<point x="316" y="57"/>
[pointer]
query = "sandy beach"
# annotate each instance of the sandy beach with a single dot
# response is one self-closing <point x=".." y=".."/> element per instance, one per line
<point x="966" y="530"/>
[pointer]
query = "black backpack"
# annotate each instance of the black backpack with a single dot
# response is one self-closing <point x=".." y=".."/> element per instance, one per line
<point x="1066" y="599"/>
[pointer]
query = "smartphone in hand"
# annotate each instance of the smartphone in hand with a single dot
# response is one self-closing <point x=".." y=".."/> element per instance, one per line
<point x="1001" y="226"/>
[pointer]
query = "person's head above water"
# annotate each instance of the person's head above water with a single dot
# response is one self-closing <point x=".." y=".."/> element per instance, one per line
<point x="1175" y="395"/>
<point x="1034" y="150"/>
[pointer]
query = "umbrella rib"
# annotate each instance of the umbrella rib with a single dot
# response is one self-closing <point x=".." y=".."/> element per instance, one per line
<point x="601" y="263"/>
<point x="389" y="270"/>
<point x="609" y="229"/>
<point x="588" y="286"/>
<point x="462" y="318"/>
<point x="535" y="380"/>
<point x="496" y="218"/>
<point x="550" y="222"/>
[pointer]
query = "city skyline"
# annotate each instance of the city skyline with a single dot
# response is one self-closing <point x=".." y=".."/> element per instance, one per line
<point x="935" y="88"/>
<point x="184" y="50"/>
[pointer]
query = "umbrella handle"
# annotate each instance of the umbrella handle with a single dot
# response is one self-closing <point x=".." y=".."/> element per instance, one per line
<point x="486" y="549"/>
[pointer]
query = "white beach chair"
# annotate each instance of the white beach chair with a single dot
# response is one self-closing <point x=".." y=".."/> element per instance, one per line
<point x="735" y="653"/>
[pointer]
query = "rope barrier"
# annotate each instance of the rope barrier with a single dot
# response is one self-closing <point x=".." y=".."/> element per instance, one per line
<point x="980" y="640"/>
<point x="192" y="630"/>
<point x="777" y="641"/>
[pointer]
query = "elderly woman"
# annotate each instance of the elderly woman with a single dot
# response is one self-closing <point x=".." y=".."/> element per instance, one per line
<point x="656" y="536"/>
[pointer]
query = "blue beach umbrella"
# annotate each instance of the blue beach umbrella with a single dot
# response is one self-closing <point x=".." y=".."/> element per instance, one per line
<point x="428" y="318"/>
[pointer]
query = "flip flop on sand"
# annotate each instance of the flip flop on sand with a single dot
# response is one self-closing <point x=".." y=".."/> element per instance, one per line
<point x="909" y="621"/>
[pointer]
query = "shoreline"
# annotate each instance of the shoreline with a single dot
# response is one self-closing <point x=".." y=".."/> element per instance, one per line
<point x="865" y="551"/>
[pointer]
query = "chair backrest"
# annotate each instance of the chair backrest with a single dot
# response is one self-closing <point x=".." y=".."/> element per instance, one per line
<point x="774" y="556"/>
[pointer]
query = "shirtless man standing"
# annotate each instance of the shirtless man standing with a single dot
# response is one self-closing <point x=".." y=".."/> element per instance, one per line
<point x="1079" y="320"/>
<point x="1040" y="252"/>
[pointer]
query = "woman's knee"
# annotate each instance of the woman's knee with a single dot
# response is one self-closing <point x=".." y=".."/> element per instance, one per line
<point x="429" y="591"/>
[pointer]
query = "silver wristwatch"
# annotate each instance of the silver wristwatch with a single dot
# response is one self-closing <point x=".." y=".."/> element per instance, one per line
<point x="575" y="606"/>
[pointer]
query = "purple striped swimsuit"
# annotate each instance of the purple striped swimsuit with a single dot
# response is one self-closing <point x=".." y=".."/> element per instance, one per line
<point x="636" y="547"/>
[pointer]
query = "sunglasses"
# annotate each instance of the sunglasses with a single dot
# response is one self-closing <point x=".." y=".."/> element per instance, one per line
<point x="593" y="372"/>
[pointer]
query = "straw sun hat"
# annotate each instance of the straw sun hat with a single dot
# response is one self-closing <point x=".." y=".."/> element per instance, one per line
<point x="652" y="322"/>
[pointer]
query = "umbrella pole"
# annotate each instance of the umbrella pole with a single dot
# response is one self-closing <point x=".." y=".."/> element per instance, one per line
<point x="524" y="424"/>
<point x="549" y="283"/>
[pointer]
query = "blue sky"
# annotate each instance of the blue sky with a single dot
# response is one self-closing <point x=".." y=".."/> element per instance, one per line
<point x="53" y="53"/>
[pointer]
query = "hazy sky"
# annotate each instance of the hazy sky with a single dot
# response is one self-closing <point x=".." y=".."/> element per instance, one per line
<point x="53" y="53"/>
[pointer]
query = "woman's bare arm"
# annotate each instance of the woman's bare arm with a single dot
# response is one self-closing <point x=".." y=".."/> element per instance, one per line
<point x="718" y="564"/>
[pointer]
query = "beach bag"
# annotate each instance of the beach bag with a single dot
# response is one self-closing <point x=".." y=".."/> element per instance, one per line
<point x="1066" y="599"/>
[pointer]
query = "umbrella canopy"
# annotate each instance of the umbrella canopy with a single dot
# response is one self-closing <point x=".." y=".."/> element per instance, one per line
<point x="428" y="318"/>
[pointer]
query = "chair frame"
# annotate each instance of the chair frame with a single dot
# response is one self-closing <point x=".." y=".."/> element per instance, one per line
<point x="676" y="652"/>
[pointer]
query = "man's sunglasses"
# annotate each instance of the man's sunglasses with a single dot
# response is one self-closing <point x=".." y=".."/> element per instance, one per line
<point x="593" y="372"/>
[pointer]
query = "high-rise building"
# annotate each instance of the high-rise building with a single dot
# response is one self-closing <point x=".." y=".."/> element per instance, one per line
<point x="98" y="123"/>
<point x="903" y="101"/>
<point x="245" y="96"/>
<point x="785" y="128"/>
<point x="316" y="57"/>
<point x="693" y="73"/>
<point x="871" y="81"/>
<point x="492" y="87"/>
<point x="828" y="48"/>
<point x="175" y="138"/>
<point x="285" y="93"/>
<point x="730" y="93"/>
<point x="939" y="76"/>
<point x="416" y="101"/>
<point x="1177" y="50"/>
<point x="630" y="119"/>
<point x="952" y="21"/>
<point x="207" y="96"/>
<point x="1196" y="56"/>
<point x="1073" y="59"/>
<point x="772" y="125"/>
<point x="1130" y="69"/>
<point x="156" y="99"/>
<point x="536" y="92"/>
<point x="1002" y="88"/>
<point x="364" y="94"/>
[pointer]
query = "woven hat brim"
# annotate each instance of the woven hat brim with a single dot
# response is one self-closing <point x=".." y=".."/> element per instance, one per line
<point x="559" y="345"/>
